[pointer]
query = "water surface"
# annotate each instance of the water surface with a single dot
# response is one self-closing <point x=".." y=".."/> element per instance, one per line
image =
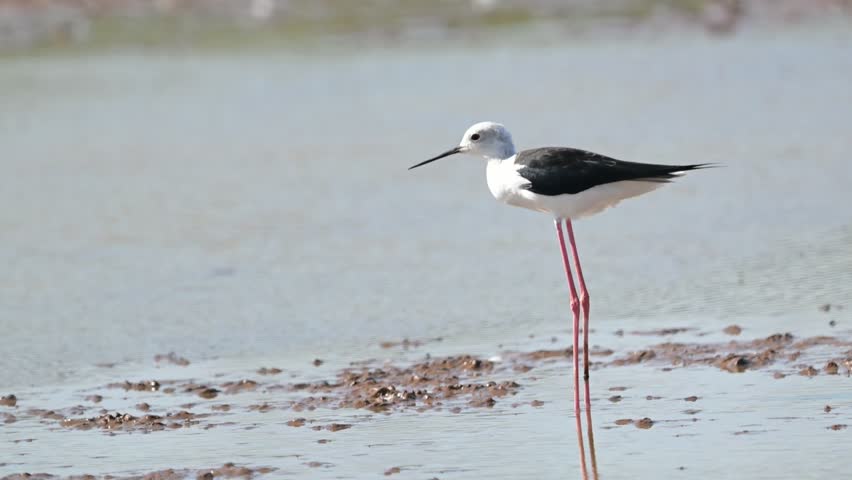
<point x="250" y="206"/>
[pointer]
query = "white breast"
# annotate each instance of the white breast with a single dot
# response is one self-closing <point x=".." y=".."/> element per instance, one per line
<point x="507" y="186"/>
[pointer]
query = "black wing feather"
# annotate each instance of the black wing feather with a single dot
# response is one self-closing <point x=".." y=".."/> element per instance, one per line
<point x="562" y="170"/>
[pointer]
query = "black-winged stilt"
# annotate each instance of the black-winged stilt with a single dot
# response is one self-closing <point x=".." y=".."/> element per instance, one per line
<point x="568" y="183"/>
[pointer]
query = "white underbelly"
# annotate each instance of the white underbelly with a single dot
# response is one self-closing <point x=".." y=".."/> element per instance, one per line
<point x="595" y="199"/>
<point x="507" y="186"/>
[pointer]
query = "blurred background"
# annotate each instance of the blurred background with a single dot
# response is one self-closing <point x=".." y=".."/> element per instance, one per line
<point x="227" y="180"/>
<point x="223" y="178"/>
<point x="90" y="24"/>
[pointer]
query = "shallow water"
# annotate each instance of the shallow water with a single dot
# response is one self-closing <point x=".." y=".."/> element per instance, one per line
<point x="244" y="207"/>
<point x="740" y="426"/>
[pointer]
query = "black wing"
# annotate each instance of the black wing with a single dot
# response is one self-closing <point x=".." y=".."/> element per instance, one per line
<point x="561" y="170"/>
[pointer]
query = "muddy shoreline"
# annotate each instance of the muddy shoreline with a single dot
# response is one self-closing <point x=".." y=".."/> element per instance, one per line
<point x="411" y="380"/>
<point x="456" y="382"/>
<point x="415" y="382"/>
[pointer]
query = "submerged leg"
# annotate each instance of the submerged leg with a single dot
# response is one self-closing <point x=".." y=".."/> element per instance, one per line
<point x="584" y="302"/>
<point x="575" y="310"/>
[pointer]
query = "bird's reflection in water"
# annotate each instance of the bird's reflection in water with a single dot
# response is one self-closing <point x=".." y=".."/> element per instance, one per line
<point x="584" y="471"/>
<point x="592" y="455"/>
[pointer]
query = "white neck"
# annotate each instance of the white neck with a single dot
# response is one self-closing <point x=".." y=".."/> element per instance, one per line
<point x="508" y="151"/>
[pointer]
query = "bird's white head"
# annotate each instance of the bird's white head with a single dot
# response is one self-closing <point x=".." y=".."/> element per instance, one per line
<point x="485" y="139"/>
<point x="488" y="140"/>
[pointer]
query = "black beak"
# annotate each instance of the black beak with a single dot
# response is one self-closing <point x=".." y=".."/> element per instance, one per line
<point x="445" y="154"/>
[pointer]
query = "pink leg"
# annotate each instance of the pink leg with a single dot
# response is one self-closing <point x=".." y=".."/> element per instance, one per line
<point x="575" y="310"/>
<point x="584" y="301"/>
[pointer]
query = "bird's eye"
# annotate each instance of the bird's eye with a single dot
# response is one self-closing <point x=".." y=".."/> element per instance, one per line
<point x="474" y="137"/>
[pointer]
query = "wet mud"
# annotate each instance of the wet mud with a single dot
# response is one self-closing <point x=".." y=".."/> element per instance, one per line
<point x="228" y="470"/>
<point x="644" y="423"/>
<point x="412" y="382"/>
<point x="454" y="383"/>
<point x="392" y="471"/>
<point x="171" y="358"/>
<point x="127" y="422"/>
<point x="409" y="344"/>
<point x="732" y="330"/>
<point x="421" y="385"/>
<point x="143" y="386"/>
<point x="781" y="350"/>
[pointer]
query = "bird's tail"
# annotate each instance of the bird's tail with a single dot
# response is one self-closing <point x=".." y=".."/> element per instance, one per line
<point x="697" y="166"/>
<point x="670" y="172"/>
